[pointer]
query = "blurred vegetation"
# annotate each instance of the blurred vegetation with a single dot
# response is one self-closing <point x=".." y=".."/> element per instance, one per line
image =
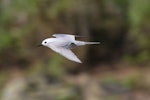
<point x="122" y="27"/>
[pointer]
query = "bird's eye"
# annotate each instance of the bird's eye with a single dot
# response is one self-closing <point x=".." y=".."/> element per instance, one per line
<point x="45" y="42"/>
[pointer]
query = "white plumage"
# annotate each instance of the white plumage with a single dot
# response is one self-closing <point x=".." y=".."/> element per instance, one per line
<point x="63" y="43"/>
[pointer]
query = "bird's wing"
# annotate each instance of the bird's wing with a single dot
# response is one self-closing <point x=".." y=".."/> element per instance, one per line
<point x="67" y="36"/>
<point x="66" y="53"/>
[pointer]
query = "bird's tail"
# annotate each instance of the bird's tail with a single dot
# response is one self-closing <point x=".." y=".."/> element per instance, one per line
<point x="92" y="42"/>
<point x="80" y="43"/>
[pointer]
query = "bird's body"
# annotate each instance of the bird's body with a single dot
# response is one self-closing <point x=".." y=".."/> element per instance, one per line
<point x="63" y="43"/>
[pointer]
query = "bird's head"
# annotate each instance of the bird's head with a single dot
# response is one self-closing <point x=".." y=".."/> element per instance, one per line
<point x="45" y="42"/>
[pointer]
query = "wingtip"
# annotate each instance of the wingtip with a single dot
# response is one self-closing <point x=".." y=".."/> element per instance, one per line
<point x="79" y="61"/>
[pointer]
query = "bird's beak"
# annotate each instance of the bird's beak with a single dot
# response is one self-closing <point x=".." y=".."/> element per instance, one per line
<point x="39" y="45"/>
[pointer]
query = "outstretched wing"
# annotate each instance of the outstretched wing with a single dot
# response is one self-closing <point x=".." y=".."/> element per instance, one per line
<point x="67" y="53"/>
<point x="67" y="36"/>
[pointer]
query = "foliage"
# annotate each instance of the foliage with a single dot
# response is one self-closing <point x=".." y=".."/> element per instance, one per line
<point x="122" y="26"/>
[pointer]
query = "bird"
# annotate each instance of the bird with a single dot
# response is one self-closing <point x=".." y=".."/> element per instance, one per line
<point x="63" y="43"/>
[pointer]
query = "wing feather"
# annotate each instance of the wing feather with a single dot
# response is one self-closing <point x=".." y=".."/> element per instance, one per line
<point x="67" y="53"/>
<point x="67" y="36"/>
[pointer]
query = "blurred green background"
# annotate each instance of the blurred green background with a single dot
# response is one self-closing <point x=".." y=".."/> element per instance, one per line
<point x="117" y="68"/>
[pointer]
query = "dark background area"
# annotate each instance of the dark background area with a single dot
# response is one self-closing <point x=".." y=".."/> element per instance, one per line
<point x="117" y="68"/>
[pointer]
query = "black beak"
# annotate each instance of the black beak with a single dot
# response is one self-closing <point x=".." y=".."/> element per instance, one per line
<point x="39" y="45"/>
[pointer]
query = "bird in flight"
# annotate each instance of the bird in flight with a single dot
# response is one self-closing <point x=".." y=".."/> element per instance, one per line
<point x="63" y="43"/>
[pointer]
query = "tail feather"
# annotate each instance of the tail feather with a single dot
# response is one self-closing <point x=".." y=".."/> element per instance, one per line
<point x="80" y="43"/>
<point x="92" y="42"/>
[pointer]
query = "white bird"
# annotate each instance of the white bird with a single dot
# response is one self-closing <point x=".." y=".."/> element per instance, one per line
<point x="63" y="43"/>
